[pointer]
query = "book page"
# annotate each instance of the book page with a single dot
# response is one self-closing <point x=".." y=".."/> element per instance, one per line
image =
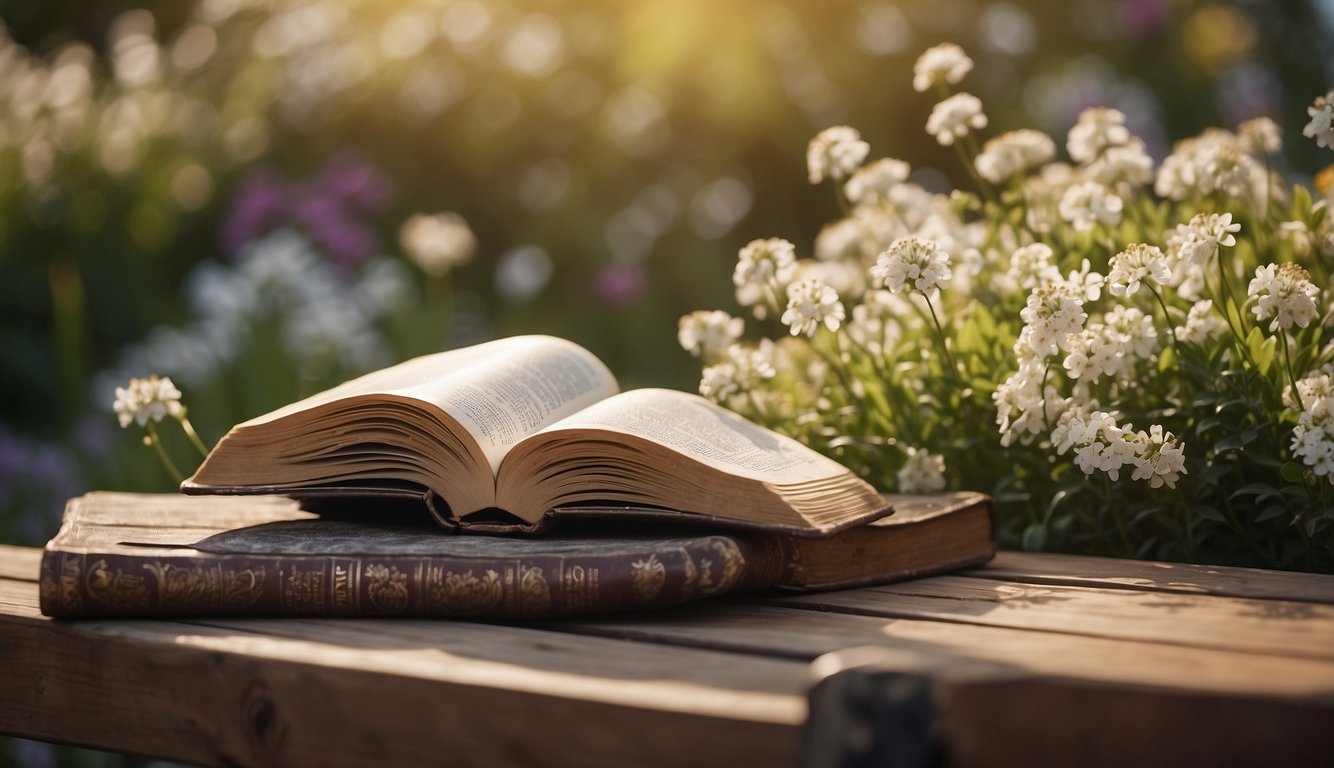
<point x="499" y="391"/>
<point x="707" y="432"/>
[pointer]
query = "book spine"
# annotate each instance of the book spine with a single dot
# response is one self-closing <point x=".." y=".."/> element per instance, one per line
<point x="82" y="585"/>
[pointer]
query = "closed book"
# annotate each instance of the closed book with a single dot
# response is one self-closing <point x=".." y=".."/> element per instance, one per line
<point x="124" y="554"/>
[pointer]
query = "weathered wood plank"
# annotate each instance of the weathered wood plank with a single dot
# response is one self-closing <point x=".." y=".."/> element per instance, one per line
<point x="779" y="630"/>
<point x="988" y="717"/>
<point x="1076" y="570"/>
<point x="19" y="563"/>
<point x="1282" y="627"/>
<point x="380" y="692"/>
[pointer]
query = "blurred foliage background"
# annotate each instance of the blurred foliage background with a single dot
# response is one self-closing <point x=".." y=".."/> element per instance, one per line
<point x="213" y="190"/>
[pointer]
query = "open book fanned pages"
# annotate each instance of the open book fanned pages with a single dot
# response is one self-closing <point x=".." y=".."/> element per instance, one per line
<point x="130" y="554"/>
<point x="513" y="434"/>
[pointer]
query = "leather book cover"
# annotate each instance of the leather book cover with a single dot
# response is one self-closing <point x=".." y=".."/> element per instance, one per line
<point x="157" y="555"/>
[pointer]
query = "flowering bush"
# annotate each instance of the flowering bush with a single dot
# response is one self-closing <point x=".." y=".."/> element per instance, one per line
<point x="1133" y="359"/>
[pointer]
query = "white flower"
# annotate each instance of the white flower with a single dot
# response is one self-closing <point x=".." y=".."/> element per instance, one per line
<point x="1313" y="436"/>
<point x="1029" y="267"/>
<point x="923" y="262"/>
<point x="1087" y="203"/>
<point x="1024" y="407"/>
<point x="1128" y="165"/>
<point x="1097" y="129"/>
<point x="1286" y="292"/>
<point x="922" y="471"/>
<point x="1100" y="444"/>
<point x="946" y="62"/>
<point x="1091" y="355"/>
<point x="810" y="302"/>
<point x="762" y="272"/>
<point x="1260" y="136"/>
<point x="953" y="118"/>
<point x="876" y="180"/>
<point x="835" y="153"/>
<point x="1201" y="237"/>
<point x="1052" y="313"/>
<point x="1159" y="457"/>
<point x="708" y="334"/>
<point x="1085" y="282"/>
<point x="1012" y="153"/>
<point x="1135" y="264"/>
<point x="842" y="240"/>
<point x="1321" y="127"/>
<point x="1224" y="167"/>
<point x="719" y="381"/>
<point x="145" y="400"/>
<point x="437" y="243"/>
<point x="1202" y="324"/>
<point x="1132" y="329"/>
<point x="876" y="322"/>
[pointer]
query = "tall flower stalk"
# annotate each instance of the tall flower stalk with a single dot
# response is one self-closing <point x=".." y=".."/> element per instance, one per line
<point x="147" y="402"/>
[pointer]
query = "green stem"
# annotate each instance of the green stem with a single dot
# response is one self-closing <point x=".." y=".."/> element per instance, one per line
<point x="156" y="443"/>
<point x="194" y="436"/>
<point x="1292" y="374"/>
<point x="940" y="335"/>
<point x="1226" y="298"/>
<point x="1167" y="321"/>
<point x="967" y="162"/>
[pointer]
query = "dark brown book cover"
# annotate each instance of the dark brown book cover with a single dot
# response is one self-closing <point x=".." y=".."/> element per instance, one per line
<point x="124" y="554"/>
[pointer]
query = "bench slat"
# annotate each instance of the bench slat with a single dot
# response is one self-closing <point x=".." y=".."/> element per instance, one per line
<point x="381" y="692"/>
<point x="782" y="631"/>
<point x="1206" y="621"/>
<point x="1077" y="570"/>
<point x="19" y="563"/>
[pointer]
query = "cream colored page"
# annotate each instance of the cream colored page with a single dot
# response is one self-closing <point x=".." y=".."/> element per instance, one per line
<point x="707" y="432"/>
<point x="500" y="391"/>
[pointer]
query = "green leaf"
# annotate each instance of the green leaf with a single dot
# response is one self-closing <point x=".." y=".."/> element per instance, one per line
<point x="1301" y="202"/>
<point x="1264" y="460"/>
<point x="1034" y="538"/>
<point x="1271" y="512"/>
<point x="1260" y="491"/>
<point x="1209" y="513"/>
<point x="1292" y="472"/>
<point x="1262" y="349"/>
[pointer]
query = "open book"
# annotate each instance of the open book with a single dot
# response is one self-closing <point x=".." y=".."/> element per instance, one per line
<point x="505" y="435"/>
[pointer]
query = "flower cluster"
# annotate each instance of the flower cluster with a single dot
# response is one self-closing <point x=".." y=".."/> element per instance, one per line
<point x="1065" y="302"/>
<point x="437" y="243"/>
<point x="146" y="402"/>
<point x="149" y="399"/>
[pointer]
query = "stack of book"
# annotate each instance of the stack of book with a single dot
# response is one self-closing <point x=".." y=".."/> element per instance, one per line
<point x="578" y="499"/>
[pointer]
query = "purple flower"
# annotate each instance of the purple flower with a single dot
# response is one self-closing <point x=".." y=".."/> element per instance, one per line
<point x="620" y="283"/>
<point x="260" y="206"/>
<point x="352" y="179"/>
<point x="35" y="481"/>
<point x="331" y="207"/>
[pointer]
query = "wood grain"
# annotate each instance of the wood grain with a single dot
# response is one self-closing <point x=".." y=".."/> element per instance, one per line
<point x="1075" y="570"/>
<point x="780" y="631"/>
<point x="19" y="563"/>
<point x="1282" y="627"/>
<point x="355" y="693"/>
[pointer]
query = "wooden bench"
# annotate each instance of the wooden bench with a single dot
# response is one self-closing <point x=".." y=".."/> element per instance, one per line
<point x="1034" y="659"/>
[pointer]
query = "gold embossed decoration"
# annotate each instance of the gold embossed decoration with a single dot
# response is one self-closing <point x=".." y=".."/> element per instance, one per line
<point x="534" y="593"/>
<point x="387" y="588"/>
<point x="647" y="578"/>
<point x="726" y="556"/>
<point x="463" y="593"/>
<point x="124" y="592"/>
